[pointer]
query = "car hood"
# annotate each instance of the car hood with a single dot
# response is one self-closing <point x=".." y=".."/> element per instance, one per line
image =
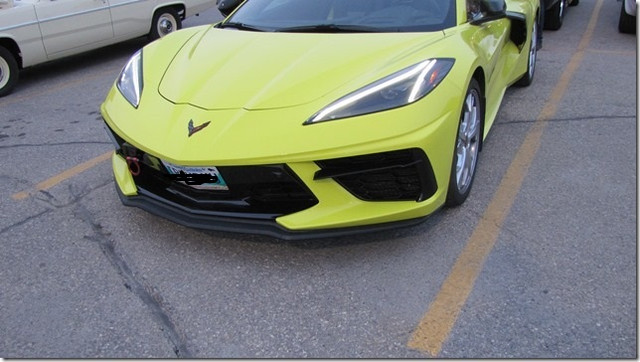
<point x="221" y="69"/>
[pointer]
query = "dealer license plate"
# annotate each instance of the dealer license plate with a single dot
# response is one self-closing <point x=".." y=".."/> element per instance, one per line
<point x="201" y="178"/>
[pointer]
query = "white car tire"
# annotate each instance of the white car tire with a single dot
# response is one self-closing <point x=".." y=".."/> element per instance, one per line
<point x="164" y="22"/>
<point x="8" y="71"/>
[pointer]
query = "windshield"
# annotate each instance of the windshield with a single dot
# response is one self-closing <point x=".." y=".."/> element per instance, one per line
<point x="343" y="15"/>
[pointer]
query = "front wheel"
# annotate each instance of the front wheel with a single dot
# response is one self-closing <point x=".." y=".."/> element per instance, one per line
<point x="8" y="71"/>
<point x="165" y="21"/>
<point x="467" y="146"/>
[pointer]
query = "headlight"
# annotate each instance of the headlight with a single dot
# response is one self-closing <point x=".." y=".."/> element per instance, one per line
<point x="130" y="80"/>
<point x="397" y="90"/>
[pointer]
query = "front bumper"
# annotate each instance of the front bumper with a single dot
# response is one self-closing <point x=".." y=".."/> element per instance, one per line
<point x="341" y="190"/>
<point x="388" y="179"/>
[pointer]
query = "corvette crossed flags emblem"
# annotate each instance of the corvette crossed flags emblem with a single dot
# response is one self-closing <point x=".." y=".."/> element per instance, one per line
<point x="193" y="129"/>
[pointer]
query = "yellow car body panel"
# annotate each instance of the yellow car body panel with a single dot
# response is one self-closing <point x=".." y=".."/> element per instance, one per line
<point x="252" y="91"/>
<point x="123" y="177"/>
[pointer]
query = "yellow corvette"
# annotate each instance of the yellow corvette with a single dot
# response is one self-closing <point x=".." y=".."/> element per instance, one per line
<point x="311" y="118"/>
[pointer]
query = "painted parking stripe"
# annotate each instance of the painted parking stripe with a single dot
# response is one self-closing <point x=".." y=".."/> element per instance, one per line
<point x="436" y="325"/>
<point x="63" y="176"/>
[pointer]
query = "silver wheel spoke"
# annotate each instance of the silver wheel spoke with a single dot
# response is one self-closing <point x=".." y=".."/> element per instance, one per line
<point x="467" y="143"/>
<point x="534" y="49"/>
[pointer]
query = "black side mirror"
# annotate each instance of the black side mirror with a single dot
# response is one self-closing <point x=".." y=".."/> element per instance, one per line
<point x="493" y="7"/>
<point x="491" y="10"/>
<point x="226" y="7"/>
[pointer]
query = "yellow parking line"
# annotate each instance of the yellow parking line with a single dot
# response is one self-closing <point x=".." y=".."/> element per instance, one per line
<point x="437" y="323"/>
<point x="65" y="175"/>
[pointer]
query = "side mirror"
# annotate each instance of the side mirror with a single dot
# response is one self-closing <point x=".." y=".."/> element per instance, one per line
<point x="491" y="10"/>
<point x="493" y="7"/>
<point x="226" y="7"/>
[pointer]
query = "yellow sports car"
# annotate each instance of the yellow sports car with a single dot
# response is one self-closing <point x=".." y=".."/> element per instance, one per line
<point x="311" y="118"/>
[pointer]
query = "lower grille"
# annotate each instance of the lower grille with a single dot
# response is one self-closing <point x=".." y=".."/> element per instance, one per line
<point x="260" y="192"/>
<point x="388" y="176"/>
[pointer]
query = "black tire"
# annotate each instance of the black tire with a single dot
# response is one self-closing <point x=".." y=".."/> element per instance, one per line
<point x="574" y="3"/>
<point x="466" y="149"/>
<point x="9" y="71"/>
<point x="527" y="78"/>
<point x="554" y="16"/>
<point x="627" y="23"/>
<point x="165" y="21"/>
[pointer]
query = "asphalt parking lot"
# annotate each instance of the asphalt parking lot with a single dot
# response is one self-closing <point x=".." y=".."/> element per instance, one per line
<point x="540" y="262"/>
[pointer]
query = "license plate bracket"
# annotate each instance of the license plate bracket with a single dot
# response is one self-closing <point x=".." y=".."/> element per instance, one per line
<point x="198" y="177"/>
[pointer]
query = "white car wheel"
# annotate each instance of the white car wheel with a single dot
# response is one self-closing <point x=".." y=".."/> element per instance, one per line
<point x="8" y="71"/>
<point x="165" y="21"/>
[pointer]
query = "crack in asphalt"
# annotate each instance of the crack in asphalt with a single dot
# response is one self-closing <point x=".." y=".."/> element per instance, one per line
<point x="24" y="221"/>
<point x="76" y="193"/>
<point x="49" y="201"/>
<point x="148" y="295"/>
<point x="150" y="298"/>
<point x="558" y="120"/>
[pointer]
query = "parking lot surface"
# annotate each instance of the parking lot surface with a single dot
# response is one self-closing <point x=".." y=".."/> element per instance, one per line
<point x="540" y="262"/>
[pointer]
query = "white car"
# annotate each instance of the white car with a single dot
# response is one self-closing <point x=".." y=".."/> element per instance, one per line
<point x="36" y="31"/>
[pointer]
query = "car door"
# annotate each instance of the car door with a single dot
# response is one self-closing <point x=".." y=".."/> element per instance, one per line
<point x="72" y="26"/>
<point x="490" y="38"/>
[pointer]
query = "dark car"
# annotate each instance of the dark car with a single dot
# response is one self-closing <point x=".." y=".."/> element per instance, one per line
<point x="553" y="16"/>
<point x="555" y="10"/>
<point x="627" y="22"/>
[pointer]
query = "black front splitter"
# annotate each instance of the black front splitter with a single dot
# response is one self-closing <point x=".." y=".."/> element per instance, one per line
<point x="244" y="225"/>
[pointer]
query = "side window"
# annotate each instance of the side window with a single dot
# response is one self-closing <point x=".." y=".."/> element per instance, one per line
<point x="474" y="10"/>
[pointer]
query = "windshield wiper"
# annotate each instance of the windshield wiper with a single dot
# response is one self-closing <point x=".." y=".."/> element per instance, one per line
<point x="330" y="28"/>
<point x="239" y="26"/>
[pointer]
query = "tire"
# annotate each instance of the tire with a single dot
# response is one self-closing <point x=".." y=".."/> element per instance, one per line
<point x="467" y="146"/>
<point x="574" y="3"/>
<point x="554" y="16"/>
<point x="527" y="78"/>
<point x="627" y="23"/>
<point x="8" y="71"/>
<point x="165" y="21"/>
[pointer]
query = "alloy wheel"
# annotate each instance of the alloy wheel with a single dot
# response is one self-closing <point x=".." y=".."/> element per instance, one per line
<point x="468" y="143"/>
